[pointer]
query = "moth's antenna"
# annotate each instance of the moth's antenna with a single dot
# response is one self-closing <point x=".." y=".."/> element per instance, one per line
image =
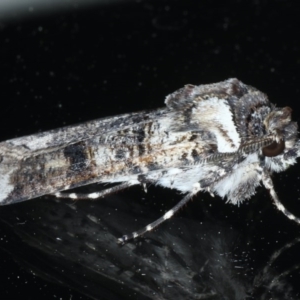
<point x="149" y="227"/>
<point x="268" y="183"/>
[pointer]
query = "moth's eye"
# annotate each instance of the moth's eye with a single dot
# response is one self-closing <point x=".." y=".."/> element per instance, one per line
<point x="274" y="149"/>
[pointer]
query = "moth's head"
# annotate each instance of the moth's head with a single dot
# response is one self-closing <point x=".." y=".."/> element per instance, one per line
<point x="285" y="148"/>
<point x="278" y="123"/>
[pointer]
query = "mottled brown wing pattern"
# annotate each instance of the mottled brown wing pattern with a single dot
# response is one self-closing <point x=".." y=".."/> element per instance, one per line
<point x="59" y="160"/>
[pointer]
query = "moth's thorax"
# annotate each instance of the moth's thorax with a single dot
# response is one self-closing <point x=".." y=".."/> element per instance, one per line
<point x="233" y="113"/>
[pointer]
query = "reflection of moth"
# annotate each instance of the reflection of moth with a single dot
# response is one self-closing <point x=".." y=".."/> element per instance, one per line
<point x="209" y="260"/>
<point x="223" y="138"/>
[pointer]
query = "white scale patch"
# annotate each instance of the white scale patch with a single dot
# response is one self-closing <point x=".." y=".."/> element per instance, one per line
<point x="6" y="171"/>
<point x="169" y="214"/>
<point x="5" y="186"/>
<point x="243" y="172"/>
<point x="32" y="142"/>
<point x="149" y="228"/>
<point x="93" y="195"/>
<point x="187" y="181"/>
<point x="215" y="113"/>
<point x="73" y="196"/>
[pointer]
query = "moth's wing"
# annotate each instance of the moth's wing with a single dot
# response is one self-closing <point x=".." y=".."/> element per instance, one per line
<point x="72" y="156"/>
<point x="61" y="137"/>
<point x="197" y="122"/>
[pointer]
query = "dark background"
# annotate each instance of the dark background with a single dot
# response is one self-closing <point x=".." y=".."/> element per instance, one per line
<point x="82" y="62"/>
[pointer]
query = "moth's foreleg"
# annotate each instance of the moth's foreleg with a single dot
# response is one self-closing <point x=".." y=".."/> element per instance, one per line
<point x="149" y="227"/>
<point x="268" y="183"/>
<point x="95" y="195"/>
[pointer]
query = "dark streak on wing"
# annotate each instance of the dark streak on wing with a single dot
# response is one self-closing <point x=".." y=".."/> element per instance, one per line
<point x="51" y="161"/>
<point x="77" y="156"/>
<point x="141" y="137"/>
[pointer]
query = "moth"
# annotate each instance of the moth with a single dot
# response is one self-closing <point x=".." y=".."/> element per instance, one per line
<point x="224" y="138"/>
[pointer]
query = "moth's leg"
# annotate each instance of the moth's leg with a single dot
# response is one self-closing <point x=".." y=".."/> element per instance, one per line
<point x="268" y="183"/>
<point x="94" y="195"/>
<point x="154" y="224"/>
